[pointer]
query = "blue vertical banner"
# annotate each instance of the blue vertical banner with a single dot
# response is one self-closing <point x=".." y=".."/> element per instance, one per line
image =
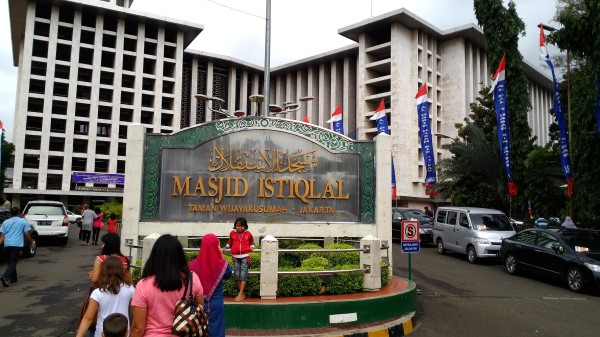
<point x="426" y="140"/>
<point x="499" y="90"/>
<point x="382" y="127"/>
<point x="393" y="180"/>
<point x="336" y="119"/>
<point x="563" y="140"/>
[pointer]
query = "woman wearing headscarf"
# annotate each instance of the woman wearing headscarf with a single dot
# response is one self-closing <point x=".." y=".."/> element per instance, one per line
<point x="568" y="223"/>
<point x="212" y="267"/>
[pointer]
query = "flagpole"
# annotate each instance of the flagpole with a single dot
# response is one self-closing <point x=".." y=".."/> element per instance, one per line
<point x="267" y="71"/>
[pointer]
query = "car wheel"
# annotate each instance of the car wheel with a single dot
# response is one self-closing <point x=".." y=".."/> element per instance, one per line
<point x="440" y="247"/>
<point x="471" y="255"/>
<point x="510" y="262"/>
<point x="575" y="279"/>
<point x="29" y="251"/>
<point x="63" y="241"/>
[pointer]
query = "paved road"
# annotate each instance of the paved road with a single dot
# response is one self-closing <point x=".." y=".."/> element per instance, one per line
<point x="460" y="299"/>
<point x="51" y="288"/>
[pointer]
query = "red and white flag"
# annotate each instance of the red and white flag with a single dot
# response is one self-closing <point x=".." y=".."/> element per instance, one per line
<point x="380" y="112"/>
<point x="336" y="119"/>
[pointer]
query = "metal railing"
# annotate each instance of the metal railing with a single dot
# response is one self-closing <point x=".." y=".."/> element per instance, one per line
<point x="365" y="269"/>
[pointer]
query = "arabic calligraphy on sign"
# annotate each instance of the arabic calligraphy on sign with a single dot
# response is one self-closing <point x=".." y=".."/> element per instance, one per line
<point x="261" y="160"/>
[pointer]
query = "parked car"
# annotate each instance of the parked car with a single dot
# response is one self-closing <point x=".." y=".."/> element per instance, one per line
<point x="477" y="232"/>
<point x="48" y="218"/>
<point x="72" y="217"/>
<point x="570" y="254"/>
<point x="425" y="223"/>
<point x="28" y="251"/>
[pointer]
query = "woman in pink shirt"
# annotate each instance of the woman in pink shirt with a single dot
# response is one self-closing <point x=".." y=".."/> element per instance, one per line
<point x="161" y="286"/>
<point x="97" y="226"/>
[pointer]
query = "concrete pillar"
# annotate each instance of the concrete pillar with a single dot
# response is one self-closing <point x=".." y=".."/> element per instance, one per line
<point x="383" y="204"/>
<point x="328" y="241"/>
<point x="149" y="242"/>
<point x="269" y="261"/>
<point x="372" y="259"/>
<point x="134" y="171"/>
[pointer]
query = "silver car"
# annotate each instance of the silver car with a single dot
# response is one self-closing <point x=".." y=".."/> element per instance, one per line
<point x="48" y="218"/>
<point x="477" y="232"/>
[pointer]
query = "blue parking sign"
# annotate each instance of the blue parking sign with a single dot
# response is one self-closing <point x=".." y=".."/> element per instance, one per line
<point x="411" y="247"/>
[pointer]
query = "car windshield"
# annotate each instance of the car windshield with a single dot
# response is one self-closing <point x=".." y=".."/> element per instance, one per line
<point x="490" y="222"/>
<point x="582" y="241"/>
<point x="422" y="217"/>
<point x="44" y="210"/>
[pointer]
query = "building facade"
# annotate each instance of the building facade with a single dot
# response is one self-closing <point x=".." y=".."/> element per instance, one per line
<point x="89" y="68"/>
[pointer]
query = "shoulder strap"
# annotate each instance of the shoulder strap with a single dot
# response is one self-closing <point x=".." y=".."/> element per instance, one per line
<point x="188" y="280"/>
<point x="191" y="282"/>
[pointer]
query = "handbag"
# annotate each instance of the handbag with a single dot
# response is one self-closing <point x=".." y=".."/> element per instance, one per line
<point x="190" y="318"/>
<point x="84" y="309"/>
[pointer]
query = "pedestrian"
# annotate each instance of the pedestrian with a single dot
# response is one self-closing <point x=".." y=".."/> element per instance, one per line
<point x="97" y="225"/>
<point x="241" y="244"/>
<point x="162" y="285"/>
<point x="212" y="268"/>
<point x="5" y="202"/>
<point x="113" y="295"/>
<point x="15" y="235"/>
<point x="111" y="224"/>
<point x="88" y="217"/>
<point x="568" y="223"/>
<point x="115" y="325"/>
<point x="110" y="246"/>
<point x="428" y="211"/>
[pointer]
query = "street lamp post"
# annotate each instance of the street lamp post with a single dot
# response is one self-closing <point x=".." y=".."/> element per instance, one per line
<point x="219" y="102"/>
<point x="288" y="106"/>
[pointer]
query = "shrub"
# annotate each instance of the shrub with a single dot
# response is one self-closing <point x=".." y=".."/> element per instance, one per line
<point x="295" y="259"/>
<point x="343" y="258"/>
<point x="230" y="288"/>
<point x="345" y="283"/>
<point x="112" y="206"/>
<point x="298" y="285"/>
<point x="315" y="263"/>
<point x="385" y="274"/>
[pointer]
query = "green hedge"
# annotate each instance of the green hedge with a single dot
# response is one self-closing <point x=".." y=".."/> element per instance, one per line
<point x="302" y="285"/>
<point x="346" y="283"/>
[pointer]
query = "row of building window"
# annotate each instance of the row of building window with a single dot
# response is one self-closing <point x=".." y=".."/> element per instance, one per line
<point x="110" y="23"/>
<point x="107" y="59"/>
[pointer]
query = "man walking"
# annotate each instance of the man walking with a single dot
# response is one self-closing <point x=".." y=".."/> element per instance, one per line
<point x="14" y="234"/>
<point x="428" y="211"/>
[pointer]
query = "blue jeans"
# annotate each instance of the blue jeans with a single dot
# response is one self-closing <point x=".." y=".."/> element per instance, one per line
<point x="13" y="257"/>
<point x="240" y="269"/>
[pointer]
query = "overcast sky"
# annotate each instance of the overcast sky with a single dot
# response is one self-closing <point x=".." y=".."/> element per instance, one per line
<point x="299" y="29"/>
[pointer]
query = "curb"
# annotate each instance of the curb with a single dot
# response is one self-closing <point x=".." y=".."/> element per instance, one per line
<point x="398" y="327"/>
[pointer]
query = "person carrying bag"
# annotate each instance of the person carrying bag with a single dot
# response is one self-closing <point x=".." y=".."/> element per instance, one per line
<point x="190" y="318"/>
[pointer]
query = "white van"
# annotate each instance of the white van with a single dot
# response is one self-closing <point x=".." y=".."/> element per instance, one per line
<point x="477" y="232"/>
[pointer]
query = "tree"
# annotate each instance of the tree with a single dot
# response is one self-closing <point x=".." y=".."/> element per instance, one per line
<point x="543" y="180"/>
<point x="473" y="175"/>
<point x="501" y="28"/>
<point x="580" y="32"/>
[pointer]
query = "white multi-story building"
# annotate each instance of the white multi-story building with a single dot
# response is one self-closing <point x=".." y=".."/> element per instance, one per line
<point x="89" y="68"/>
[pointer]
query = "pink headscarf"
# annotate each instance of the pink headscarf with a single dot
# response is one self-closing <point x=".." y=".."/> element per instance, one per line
<point x="209" y="265"/>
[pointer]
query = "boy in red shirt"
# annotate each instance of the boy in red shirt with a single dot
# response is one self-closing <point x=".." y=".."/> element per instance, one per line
<point x="241" y="243"/>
